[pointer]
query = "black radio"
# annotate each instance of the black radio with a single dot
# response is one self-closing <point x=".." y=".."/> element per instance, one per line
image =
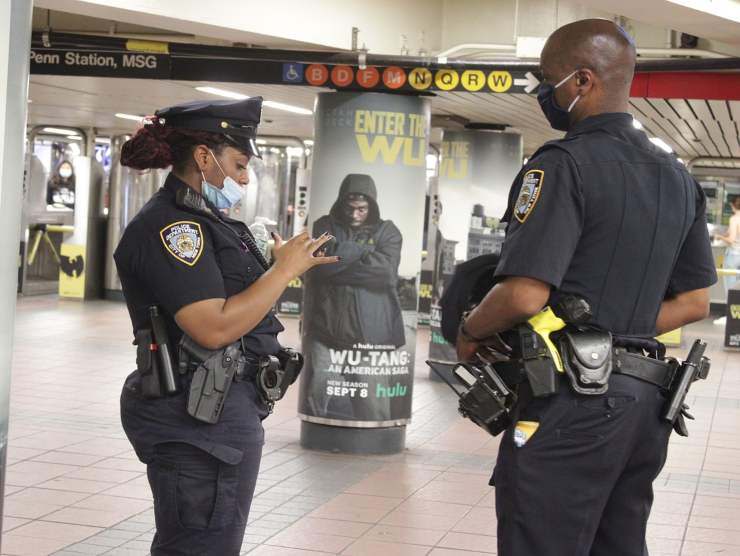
<point x="485" y="398"/>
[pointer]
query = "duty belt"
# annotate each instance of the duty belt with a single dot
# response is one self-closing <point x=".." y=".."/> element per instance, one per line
<point x="647" y="369"/>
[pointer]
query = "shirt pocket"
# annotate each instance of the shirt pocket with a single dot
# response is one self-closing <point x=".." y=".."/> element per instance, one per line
<point x="238" y="268"/>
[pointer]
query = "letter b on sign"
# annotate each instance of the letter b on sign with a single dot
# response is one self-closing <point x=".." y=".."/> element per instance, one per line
<point x="317" y="74"/>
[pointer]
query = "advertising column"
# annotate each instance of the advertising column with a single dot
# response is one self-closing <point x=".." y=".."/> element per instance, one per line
<point x="368" y="191"/>
<point x="476" y="172"/>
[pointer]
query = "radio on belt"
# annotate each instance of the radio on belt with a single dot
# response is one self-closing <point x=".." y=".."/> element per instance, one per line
<point x="485" y="399"/>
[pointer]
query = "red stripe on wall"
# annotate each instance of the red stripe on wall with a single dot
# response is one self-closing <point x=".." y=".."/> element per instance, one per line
<point x="695" y="85"/>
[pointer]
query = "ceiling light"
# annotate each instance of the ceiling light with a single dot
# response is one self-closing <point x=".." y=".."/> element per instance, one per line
<point x="74" y="137"/>
<point x="288" y="108"/>
<point x="222" y="93"/>
<point x="103" y="140"/>
<point x="129" y="117"/>
<point x="58" y="131"/>
<point x="295" y="151"/>
<point x="636" y="123"/>
<point x="269" y="103"/>
<point x="657" y="141"/>
<point x="726" y="9"/>
<point x="308" y="142"/>
<point x="681" y="160"/>
<point x="261" y="142"/>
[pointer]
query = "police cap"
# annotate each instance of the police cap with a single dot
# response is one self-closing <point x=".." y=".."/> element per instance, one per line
<point x="236" y="119"/>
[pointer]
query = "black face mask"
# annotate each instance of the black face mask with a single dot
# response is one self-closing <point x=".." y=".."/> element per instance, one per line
<point x="558" y="117"/>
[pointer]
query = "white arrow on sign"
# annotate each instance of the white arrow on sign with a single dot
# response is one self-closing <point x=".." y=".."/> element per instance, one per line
<point x="530" y="82"/>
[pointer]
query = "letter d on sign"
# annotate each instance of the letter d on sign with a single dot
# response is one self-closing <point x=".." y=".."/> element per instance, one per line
<point x="341" y="76"/>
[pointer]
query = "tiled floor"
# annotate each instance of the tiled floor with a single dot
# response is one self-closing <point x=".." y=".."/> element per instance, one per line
<point x="75" y="487"/>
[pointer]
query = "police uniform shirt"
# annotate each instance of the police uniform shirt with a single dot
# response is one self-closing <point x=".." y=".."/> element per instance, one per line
<point x="178" y="250"/>
<point x="606" y="215"/>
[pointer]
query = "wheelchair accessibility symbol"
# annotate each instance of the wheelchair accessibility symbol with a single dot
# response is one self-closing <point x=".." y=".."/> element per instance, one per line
<point x="293" y="73"/>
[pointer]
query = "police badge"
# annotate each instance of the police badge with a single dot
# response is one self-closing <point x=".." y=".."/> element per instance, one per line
<point x="528" y="194"/>
<point x="183" y="240"/>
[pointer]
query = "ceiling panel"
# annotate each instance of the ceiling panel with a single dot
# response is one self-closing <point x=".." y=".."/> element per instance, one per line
<point x="730" y="131"/>
<point x="692" y="128"/>
<point x="719" y="109"/>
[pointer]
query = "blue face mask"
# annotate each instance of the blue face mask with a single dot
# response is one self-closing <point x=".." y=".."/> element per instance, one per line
<point x="557" y="117"/>
<point x="227" y="196"/>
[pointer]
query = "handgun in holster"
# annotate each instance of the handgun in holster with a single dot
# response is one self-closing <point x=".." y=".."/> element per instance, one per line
<point x="213" y="374"/>
<point x="694" y="367"/>
<point x="153" y="359"/>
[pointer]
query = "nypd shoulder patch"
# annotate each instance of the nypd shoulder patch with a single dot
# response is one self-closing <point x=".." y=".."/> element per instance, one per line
<point x="528" y="194"/>
<point x="183" y="240"/>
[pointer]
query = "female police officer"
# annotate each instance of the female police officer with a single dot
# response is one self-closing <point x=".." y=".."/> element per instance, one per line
<point x="209" y="280"/>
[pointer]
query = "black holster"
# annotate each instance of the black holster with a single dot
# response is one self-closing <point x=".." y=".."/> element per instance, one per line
<point x="153" y="360"/>
<point x="147" y="364"/>
<point x="537" y="362"/>
<point x="214" y="371"/>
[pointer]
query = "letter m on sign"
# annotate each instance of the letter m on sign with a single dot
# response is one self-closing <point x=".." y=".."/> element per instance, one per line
<point x="394" y="77"/>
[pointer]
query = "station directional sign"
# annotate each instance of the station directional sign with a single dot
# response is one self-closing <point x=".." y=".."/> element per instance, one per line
<point x="143" y="60"/>
<point x="64" y="54"/>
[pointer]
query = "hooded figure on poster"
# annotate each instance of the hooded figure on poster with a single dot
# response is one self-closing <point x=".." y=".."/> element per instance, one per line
<point x="356" y="300"/>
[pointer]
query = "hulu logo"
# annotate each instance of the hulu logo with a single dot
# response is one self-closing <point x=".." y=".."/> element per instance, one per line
<point x="437" y="338"/>
<point x="395" y="391"/>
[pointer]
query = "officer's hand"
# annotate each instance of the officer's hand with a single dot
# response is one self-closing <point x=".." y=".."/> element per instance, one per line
<point x="466" y="350"/>
<point x="491" y="349"/>
<point x="495" y="346"/>
<point x="300" y="253"/>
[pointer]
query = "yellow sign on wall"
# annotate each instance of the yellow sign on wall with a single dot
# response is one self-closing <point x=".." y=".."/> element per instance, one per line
<point x="72" y="271"/>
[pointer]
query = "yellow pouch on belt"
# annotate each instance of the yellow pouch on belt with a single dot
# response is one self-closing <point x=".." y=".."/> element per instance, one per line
<point x="523" y="431"/>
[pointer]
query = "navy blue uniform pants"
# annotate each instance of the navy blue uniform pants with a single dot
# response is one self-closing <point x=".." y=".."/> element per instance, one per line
<point x="202" y="476"/>
<point x="201" y="504"/>
<point x="581" y="485"/>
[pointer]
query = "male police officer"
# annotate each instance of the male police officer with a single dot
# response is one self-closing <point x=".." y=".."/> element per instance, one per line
<point x="604" y="215"/>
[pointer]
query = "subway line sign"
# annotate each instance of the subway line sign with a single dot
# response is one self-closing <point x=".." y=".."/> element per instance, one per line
<point x="66" y="54"/>
<point x="419" y="79"/>
<point x="166" y="65"/>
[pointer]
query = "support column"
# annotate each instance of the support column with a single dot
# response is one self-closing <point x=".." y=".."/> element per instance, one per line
<point x="15" y="43"/>
<point x="368" y="189"/>
<point x="475" y="175"/>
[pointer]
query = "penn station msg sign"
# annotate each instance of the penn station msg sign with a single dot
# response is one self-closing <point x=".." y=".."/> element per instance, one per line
<point x="65" y="54"/>
<point x="84" y="55"/>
